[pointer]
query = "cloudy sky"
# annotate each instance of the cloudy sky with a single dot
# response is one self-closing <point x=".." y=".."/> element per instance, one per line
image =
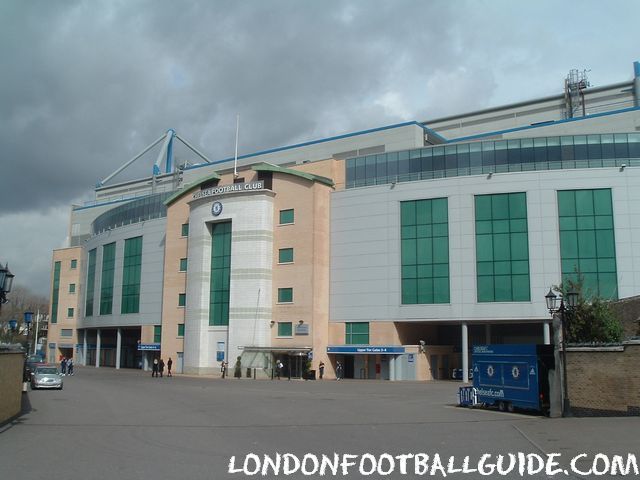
<point x="86" y="85"/>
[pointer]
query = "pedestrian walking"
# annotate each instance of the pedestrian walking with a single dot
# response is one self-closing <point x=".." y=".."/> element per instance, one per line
<point x="237" y="371"/>
<point x="154" y="368"/>
<point x="63" y="366"/>
<point x="161" y="367"/>
<point x="70" y="366"/>
<point x="223" y="368"/>
<point x="339" y="371"/>
<point x="169" y="365"/>
<point x="279" y="367"/>
<point x="321" y="369"/>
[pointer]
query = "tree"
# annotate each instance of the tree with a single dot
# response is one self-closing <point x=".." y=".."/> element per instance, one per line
<point x="21" y="300"/>
<point x="593" y="320"/>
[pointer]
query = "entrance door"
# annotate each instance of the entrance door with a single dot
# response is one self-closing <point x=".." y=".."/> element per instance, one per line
<point x="179" y="362"/>
<point x="348" y="366"/>
<point x="433" y="360"/>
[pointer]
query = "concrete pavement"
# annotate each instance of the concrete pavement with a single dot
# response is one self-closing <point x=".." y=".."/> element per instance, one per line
<point x="125" y="424"/>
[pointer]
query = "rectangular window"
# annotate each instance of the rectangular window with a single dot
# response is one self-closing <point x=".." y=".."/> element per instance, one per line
<point x="285" y="255"/>
<point x="182" y="299"/>
<point x="185" y="230"/>
<point x="69" y="312"/>
<point x="106" y="285"/>
<point x="91" y="282"/>
<point x="74" y="264"/>
<point x="587" y="240"/>
<point x="66" y="332"/>
<point x="56" y="292"/>
<point x="72" y="288"/>
<point x="220" y="274"/>
<point x="285" y="329"/>
<point x="181" y="329"/>
<point x="424" y="234"/>
<point x="285" y="295"/>
<point x="131" y="275"/>
<point x="502" y="248"/>
<point x="357" y="333"/>
<point x="286" y="216"/>
<point x="183" y="264"/>
<point x="157" y="333"/>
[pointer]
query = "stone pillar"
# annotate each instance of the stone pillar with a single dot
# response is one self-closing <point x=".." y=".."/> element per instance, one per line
<point x="98" y="340"/>
<point x="84" y="347"/>
<point x="465" y="353"/>
<point x="392" y="367"/>
<point x="118" y="347"/>
<point x="546" y="331"/>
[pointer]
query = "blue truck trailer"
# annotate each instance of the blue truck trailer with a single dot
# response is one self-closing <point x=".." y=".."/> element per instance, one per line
<point x="510" y="377"/>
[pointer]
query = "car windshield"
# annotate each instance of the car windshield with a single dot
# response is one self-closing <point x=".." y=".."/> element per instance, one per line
<point x="47" y="370"/>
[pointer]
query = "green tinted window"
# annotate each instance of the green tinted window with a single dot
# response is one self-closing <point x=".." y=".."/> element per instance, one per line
<point x="220" y="274"/>
<point x="185" y="230"/>
<point x="91" y="279"/>
<point x="285" y="295"/>
<point x="285" y="255"/>
<point x="357" y="333"/>
<point x="182" y="299"/>
<point x="183" y="264"/>
<point x="70" y="312"/>
<point x="285" y="329"/>
<point x="424" y="233"/>
<point x="587" y="240"/>
<point x="286" y="216"/>
<point x="56" y="292"/>
<point x="157" y="333"/>
<point x="74" y="264"/>
<point x="131" y="272"/>
<point x="72" y="288"/>
<point x="502" y="248"/>
<point x="106" y="287"/>
<point x="181" y="329"/>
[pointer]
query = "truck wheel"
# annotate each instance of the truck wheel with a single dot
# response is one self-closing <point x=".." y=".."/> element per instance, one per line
<point x="502" y="406"/>
<point x="510" y="408"/>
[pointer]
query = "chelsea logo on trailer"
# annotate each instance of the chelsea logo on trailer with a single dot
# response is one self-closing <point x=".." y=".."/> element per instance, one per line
<point x="216" y="208"/>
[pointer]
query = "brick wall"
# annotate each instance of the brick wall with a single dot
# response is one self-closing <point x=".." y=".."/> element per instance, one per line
<point x="628" y="310"/>
<point x="604" y="380"/>
<point x="11" y="365"/>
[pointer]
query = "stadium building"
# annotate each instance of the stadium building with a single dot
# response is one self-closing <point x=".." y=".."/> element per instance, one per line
<point x="390" y="251"/>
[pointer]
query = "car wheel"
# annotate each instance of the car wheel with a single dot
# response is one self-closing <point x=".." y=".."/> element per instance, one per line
<point x="60" y="387"/>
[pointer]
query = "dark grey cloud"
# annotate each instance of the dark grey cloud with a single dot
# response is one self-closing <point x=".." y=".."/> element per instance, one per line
<point x="86" y="85"/>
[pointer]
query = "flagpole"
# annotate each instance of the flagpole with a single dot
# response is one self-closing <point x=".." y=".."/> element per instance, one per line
<point x="235" y="158"/>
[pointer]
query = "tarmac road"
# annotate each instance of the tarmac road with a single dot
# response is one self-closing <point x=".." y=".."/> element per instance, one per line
<point x="109" y="424"/>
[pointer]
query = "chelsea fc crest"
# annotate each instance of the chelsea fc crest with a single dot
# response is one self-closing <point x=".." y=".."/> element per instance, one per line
<point x="216" y="209"/>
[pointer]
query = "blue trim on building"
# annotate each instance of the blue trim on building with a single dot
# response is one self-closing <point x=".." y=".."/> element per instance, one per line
<point x="315" y="142"/>
<point x="636" y="69"/>
<point x="542" y="124"/>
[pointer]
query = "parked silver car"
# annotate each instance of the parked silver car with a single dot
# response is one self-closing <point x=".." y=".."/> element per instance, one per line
<point x="46" y="376"/>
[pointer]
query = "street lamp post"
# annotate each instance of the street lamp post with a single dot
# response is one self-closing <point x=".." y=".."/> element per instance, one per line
<point x="28" y="317"/>
<point x="6" y="281"/>
<point x="567" y="303"/>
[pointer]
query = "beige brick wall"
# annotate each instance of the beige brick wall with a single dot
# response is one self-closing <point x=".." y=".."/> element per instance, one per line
<point x="11" y="365"/>
<point x="604" y="379"/>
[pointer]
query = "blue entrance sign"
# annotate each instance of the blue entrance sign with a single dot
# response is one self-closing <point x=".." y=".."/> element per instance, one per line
<point x="149" y="347"/>
<point x="355" y="349"/>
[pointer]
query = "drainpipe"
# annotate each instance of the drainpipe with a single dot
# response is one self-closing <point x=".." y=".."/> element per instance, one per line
<point x="636" y="83"/>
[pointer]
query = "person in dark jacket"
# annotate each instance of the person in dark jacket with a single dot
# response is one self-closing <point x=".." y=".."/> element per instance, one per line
<point x="154" y="368"/>
<point x="161" y="367"/>
<point x="169" y="365"/>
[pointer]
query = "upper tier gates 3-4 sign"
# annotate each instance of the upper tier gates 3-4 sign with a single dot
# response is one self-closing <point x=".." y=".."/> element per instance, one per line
<point x="234" y="188"/>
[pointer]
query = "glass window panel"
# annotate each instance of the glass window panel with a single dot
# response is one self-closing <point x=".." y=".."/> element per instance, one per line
<point x="408" y="213"/>
<point x="484" y="226"/>
<point x="424" y="231"/>
<point x="285" y="329"/>
<point x="585" y="223"/>
<point x="408" y="252"/>
<point x="568" y="223"/>
<point x="518" y="225"/>
<point x="500" y="206"/>
<point x="484" y="248"/>
<point x="439" y="209"/>
<point x="519" y="246"/>
<point x="566" y="203"/>
<point x="485" y="268"/>
<point x="602" y="202"/>
<point x="409" y="291"/>
<point x="587" y="244"/>
<point x="286" y="216"/>
<point x="441" y="270"/>
<point x="501" y="247"/>
<point x="483" y="207"/>
<point x="485" y="289"/>
<point x="424" y="270"/>
<point x="569" y="244"/>
<point x="605" y="243"/>
<point x="423" y="212"/>
<point x="520" y="267"/>
<point x="503" y="288"/>
<point x="488" y="154"/>
<point x="500" y="226"/>
<point x="518" y="205"/>
<point x="425" y="291"/>
<point x="403" y="163"/>
<point x="584" y="202"/>
<point x="438" y="158"/>
<point x="408" y="231"/>
<point x="285" y="255"/>
<point x="425" y="249"/>
<point x="521" y="289"/>
<point x="621" y="149"/>
<point x="502" y="268"/>
<point x="608" y="285"/>
<point x="475" y="155"/>
<point x="441" y="290"/>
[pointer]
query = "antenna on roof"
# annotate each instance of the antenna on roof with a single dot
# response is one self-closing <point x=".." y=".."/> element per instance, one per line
<point x="235" y="158"/>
